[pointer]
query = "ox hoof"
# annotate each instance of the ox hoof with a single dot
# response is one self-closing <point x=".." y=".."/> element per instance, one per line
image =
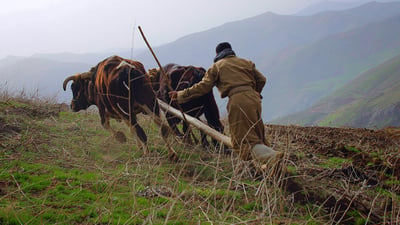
<point x="120" y="137"/>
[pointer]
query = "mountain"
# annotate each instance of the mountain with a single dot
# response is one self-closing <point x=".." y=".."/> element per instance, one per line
<point x="41" y="75"/>
<point x="44" y="73"/>
<point x="263" y="37"/>
<point x="286" y="48"/>
<point x="88" y="58"/>
<point x="303" y="76"/>
<point x="304" y="57"/>
<point x="10" y="60"/>
<point x="323" y="6"/>
<point x="371" y="100"/>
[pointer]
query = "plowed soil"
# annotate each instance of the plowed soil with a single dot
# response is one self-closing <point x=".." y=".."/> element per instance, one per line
<point x="342" y="169"/>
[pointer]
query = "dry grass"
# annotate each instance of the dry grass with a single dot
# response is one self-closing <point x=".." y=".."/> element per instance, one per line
<point x="59" y="167"/>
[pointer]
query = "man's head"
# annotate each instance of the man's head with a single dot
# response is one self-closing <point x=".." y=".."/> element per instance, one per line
<point x="222" y="46"/>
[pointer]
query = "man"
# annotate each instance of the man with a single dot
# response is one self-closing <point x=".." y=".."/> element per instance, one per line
<point x="239" y="80"/>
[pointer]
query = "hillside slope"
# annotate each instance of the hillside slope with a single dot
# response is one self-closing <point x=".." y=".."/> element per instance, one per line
<point x="60" y="167"/>
<point x="371" y="100"/>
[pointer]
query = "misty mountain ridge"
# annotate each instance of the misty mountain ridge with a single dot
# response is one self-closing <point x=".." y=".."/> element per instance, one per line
<point x="262" y="37"/>
<point x="303" y="57"/>
<point x="371" y="100"/>
<point x="39" y="74"/>
<point x="304" y="76"/>
<point x="88" y="58"/>
<point x="323" y="6"/>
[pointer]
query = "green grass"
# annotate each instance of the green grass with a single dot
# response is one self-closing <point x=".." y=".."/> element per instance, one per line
<point x="352" y="149"/>
<point x="64" y="168"/>
<point x="335" y="162"/>
<point x="69" y="170"/>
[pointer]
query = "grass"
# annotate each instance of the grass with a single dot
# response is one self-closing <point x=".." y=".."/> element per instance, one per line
<point x="60" y="167"/>
<point x="335" y="162"/>
<point x="68" y="170"/>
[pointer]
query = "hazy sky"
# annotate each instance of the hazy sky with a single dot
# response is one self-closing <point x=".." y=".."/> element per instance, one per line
<point x="49" y="26"/>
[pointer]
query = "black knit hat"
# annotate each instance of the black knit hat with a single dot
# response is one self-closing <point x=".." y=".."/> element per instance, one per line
<point x="222" y="46"/>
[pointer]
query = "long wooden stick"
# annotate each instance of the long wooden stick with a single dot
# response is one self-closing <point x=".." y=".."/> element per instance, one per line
<point x="197" y="123"/>
<point x="159" y="64"/>
<point x="162" y="72"/>
<point x="152" y="52"/>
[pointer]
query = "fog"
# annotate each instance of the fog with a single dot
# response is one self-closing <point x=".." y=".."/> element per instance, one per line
<point x="51" y="26"/>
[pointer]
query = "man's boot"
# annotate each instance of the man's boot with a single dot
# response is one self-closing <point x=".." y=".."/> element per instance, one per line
<point x="263" y="153"/>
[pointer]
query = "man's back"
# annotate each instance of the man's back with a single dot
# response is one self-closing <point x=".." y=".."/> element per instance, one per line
<point x="232" y="72"/>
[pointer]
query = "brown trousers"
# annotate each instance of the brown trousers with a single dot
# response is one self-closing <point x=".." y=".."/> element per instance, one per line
<point x="245" y="123"/>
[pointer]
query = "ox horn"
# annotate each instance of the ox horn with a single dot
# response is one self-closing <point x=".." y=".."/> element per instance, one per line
<point x="74" y="78"/>
<point x="83" y="76"/>
<point x="86" y="75"/>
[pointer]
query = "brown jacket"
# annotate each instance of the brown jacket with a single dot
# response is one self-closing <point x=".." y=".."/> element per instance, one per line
<point x="230" y="74"/>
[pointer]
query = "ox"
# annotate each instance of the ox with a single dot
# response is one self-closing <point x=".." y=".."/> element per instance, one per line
<point x="120" y="89"/>
<point x="179" y="78"/>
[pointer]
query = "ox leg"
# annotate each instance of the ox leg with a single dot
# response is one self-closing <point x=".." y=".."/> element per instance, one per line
<point x="141" y="137"/>
<point x="173" y="121"/>
<point x="212" y="115"/>
<point x="118" y="135"/>
<point x="203" y="136"/>
<point x="138" y="131"/>
<point x="166" y="131"/>
<point x="204" y="140"/>
<point x="188" y="134"/>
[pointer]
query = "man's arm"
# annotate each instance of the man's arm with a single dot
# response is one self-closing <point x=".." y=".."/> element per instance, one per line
<point x="197" y="90"/>
<point x="260" y="79"/>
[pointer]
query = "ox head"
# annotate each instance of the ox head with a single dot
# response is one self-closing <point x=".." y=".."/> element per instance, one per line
<point x="80" y="90"/>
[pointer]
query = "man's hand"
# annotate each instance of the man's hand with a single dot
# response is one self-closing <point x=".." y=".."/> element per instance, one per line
<point x="173" y="95"/>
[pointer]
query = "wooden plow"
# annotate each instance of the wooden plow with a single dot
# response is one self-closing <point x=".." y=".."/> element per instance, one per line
<point x="196" y="123"/>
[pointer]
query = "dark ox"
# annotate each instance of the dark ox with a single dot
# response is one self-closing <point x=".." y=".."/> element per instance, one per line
<point x="120" y="89"/>
<point x="179" y="78"/>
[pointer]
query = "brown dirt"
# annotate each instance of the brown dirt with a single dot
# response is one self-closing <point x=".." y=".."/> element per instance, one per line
<point x="377" y="150"/>
<point x="371" y="162"/>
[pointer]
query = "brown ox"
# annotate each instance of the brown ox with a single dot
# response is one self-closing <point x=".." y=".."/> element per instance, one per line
<point x="181" y="77"/>
<point x="120" y="89"/>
